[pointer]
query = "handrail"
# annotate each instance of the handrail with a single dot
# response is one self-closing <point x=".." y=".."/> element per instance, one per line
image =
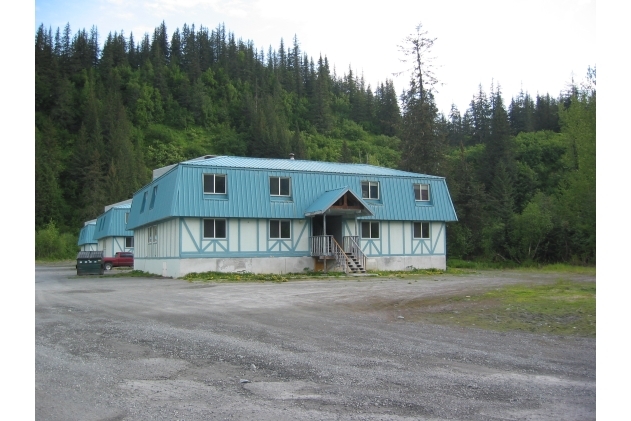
<point x="327" y="245"/>
<point x="320" y="245"/>
<point x="351" y="245"/>
<point x="340" y="256"/>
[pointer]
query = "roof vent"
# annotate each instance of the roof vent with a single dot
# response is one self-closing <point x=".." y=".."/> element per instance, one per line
<point x="291" y="156"/>
<point x="208" y="156"/>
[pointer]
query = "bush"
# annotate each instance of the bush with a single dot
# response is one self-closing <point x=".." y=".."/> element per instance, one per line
<point x="51" y="245"/>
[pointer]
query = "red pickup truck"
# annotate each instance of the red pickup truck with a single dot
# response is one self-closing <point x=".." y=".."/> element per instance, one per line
<point x="121" y="258"/>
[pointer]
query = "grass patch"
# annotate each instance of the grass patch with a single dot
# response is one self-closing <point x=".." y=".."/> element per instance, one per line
<point x="130" y="273"/>
<point x="253" y="277"/>
<point x="256" y="277"/>
<point x="563" y="308"/>
<point x="549" y="268"/>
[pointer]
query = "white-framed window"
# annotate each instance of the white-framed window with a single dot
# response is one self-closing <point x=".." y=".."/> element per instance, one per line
<point x="126" y="217"/>
<point x="370" y="229"/>
<point x="129" y="242"/>
<point x="370" y="190"/>
<point x="279" y="186"/>
<point x="421" y="192"/>
<point x="152" y="234"/>
<point x="279" y="228"/>
<point x="153" y="197"/>
<point x="421" y="230"/>
<point x="214" y="228"/>
<point x="214" y="184"/>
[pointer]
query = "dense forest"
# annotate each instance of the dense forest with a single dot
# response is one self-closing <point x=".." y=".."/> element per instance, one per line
<point x="522" y="174"/>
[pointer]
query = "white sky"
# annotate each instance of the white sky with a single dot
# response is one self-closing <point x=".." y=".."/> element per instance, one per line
<point x="535" y="44"/>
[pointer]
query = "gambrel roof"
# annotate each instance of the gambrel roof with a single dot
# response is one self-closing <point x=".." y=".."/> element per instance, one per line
<point x="86" y="235"/>
<point x="111" y="223"/>
<point x="179" y="192"/>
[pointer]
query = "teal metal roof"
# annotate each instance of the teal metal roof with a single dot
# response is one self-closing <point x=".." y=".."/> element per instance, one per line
<point x="86" y="235"/>
<point x="299" y="165"/>
<point x="328" y="198"/>
<point x="112" y="223"/>
<point x="180" y="191"/>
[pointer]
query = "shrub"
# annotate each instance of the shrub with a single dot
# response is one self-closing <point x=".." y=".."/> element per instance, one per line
<point x="50" y="244"/>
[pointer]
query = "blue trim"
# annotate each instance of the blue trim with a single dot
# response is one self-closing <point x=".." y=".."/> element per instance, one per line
<point x="304" y="253"/>
<point x="190" y="234"/>
<point x="280" y="243"/>
<point x="180" y="250"/>
<point x="299" y="237"/>
<point x="215" y="243"/>
<point x="437" y="236"/>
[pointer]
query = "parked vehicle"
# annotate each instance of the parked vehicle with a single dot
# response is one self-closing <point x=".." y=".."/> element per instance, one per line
<point x="121" y="258"/>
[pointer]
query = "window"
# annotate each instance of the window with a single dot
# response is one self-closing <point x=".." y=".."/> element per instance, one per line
<point x="153" y="234"/>
<point x="153" y="197"/>
<point x="279" y="186"/>
<point x="421" y="230"/>
<point x="421" y="192"/>
<point x="214" y="228"/>
<point x="370" y="229"/>
<point x="214" y="184"/>
<point x="129" y="242"/>
<point x="370" y="190"/>
<point x="279" y="229"/>
<point x="144" y="200"/>
<point x="126" y="217"/>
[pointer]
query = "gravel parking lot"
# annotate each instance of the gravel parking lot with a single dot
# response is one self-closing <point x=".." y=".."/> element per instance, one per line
<point x="166" y="349"/>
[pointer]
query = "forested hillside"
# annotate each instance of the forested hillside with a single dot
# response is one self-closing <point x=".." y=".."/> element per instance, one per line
<point x="521" y="174"/>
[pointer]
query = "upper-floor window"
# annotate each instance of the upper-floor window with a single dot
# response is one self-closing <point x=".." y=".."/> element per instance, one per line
<point x="214" y="183"/>
<point x="421" y="192"/>
<point x="144" y="201"/>
<point x="421" y="230"/>
<point x="129" y="242"/>
<point x="126" y="217"/>
<point x="153" y="197"/>
<point x="279" y="228"/>
<point x="279" y="186"/>
<point x="214" y="228"/>
<point x="370" y="229"/>
<point x="370" y="190"/>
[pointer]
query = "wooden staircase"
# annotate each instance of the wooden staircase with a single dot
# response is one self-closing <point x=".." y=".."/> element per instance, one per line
<point x="354" y="263"/>
<point x="350" y="257"/>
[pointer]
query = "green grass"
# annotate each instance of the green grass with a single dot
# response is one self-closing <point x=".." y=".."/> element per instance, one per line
<point x="565" y="308"/>
<point x="549" y="268"/>
<point x="255" y="277"/>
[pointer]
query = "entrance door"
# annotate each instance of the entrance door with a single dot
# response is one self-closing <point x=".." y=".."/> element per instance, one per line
<point x="333" y="227"/>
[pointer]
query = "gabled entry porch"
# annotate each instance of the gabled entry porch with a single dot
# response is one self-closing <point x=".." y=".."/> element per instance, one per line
<point x="327" y="242"/>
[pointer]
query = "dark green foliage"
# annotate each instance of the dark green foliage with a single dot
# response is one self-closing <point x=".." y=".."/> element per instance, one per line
<point x="51" y="244"/>
<point x="522" y="180"/>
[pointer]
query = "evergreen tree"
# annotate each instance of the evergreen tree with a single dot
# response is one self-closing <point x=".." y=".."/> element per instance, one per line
<point x="422" y="143"/>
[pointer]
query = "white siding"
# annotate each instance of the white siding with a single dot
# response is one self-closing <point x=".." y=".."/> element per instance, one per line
<point x="247" y="236"/>
<point x="191" y="241"/>
<point x="233" y="235"/>
<point x="301" y="244"/>
<point x="168" y="240"/>
<point x="395" y="240"/>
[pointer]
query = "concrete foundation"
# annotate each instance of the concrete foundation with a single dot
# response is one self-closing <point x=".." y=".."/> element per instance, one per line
<point x="407" y="262"/>
<point x="179" y="267"/>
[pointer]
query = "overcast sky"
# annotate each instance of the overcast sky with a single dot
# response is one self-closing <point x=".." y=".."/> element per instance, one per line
<point x="537" y="45"/>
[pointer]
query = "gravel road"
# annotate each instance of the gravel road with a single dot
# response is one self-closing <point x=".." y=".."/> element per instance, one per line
<point x="166" y="349"/>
